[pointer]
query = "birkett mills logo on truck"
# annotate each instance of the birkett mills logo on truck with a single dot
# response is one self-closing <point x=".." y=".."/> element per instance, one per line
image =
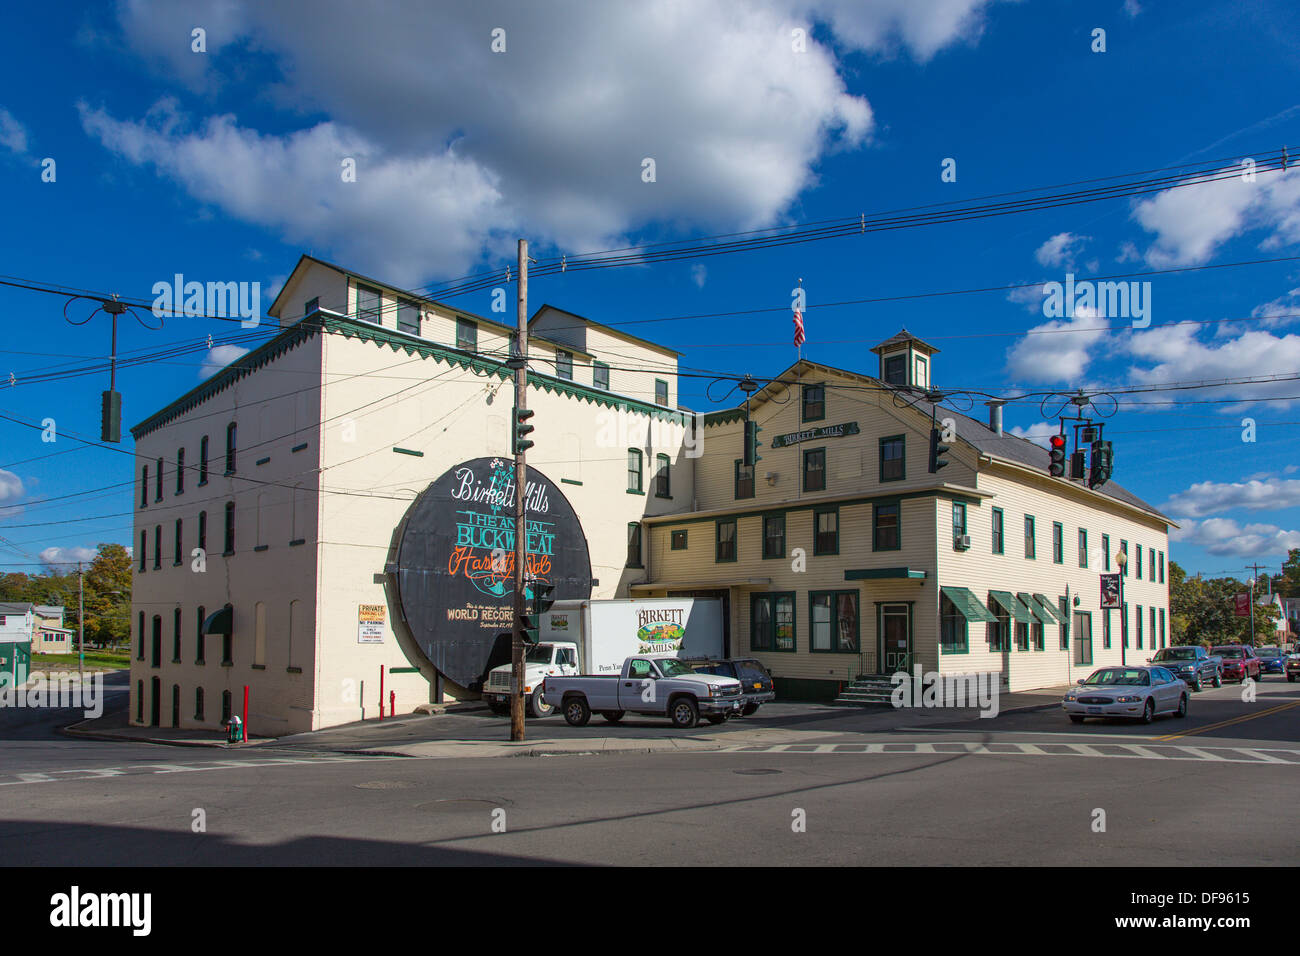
<point x="660" y="629"/>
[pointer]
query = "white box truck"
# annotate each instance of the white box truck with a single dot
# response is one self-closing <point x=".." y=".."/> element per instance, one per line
<point x="595" y="637"/>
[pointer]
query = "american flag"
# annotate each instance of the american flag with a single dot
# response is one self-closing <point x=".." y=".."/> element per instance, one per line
<point x="798" y="327"/>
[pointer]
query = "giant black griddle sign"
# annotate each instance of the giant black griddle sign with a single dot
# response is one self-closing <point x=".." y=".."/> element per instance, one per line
<point x="456" y="560"/>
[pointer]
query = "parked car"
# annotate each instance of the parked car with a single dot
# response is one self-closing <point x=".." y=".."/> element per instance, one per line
<point x="1293" y="667"/>
<point x="1239" y="662"/>
<point x="1136" y="693"/>
<point x="756" y="685"/>
<point x="661" y="687"/>
<point x="1272" y="659"/>
<point x="1193" y="664"/>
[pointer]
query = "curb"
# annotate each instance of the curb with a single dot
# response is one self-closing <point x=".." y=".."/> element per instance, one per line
<point x="73" y="731"/>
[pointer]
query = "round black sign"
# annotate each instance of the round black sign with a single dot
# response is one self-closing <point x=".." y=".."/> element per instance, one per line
<point x="456" y="562"/>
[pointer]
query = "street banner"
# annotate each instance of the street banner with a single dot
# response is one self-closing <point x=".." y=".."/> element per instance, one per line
<point x="1109" y="590"/>
<point x="1242" y="608"/>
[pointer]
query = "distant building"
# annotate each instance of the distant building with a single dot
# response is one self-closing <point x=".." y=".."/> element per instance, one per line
<point x="16" y="623"/>
<point x="49" y="636"/>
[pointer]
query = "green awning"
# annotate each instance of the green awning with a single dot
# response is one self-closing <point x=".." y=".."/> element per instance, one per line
<point x="1012" y="605"/>
<point x="871" y="574"/>
<point x="219" y="622"/>
<point x="1047" y="606"/>
<point x="969" y="605"/>
<point x="1028" y="600"/>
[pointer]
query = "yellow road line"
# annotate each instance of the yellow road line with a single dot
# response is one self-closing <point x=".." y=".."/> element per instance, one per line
<point x="1228" y="723"/>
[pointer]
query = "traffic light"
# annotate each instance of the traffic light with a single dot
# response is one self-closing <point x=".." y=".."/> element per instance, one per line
<point x="110" y="419"/>
<point x="937" y="451"/>
<point x="1077" y="466"/>
<point x="1103" y="463"/>
<point x="542" y="600"/>
<point x="531" y="625"/>
<point x="1057" y="467"/>
<point x="518" y="442"/>
<point x="750" y="454"/>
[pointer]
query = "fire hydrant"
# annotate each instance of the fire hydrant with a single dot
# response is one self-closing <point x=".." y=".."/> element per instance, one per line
<point x="236" y="730"/>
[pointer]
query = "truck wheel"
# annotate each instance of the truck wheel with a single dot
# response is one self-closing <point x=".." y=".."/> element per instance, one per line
<point x="684" y="713"/>
<point x="1196" y="684"/>
<point x="1218" y="679"/>
<point x="576" y="712"/>
<point x="751" y="709"/>
<point x="537" y="707"/>
<point x="613" y="716"/>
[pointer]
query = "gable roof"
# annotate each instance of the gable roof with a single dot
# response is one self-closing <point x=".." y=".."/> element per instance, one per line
<point x="605" y="328"/>
<point x="974" y="432"/>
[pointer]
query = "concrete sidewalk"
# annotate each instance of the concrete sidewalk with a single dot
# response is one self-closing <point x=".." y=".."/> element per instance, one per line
<point x="881" y="718"/>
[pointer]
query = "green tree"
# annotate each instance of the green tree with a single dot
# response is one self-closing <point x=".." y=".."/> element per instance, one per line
<point x="108" y="595"/>
<point x="1288" y="583"/>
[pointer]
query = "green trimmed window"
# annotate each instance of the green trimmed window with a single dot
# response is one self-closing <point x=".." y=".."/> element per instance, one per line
<point x="814" y="403"/>
<point x="1123" y="549"/>
<point x="180" y="471"/>
<point x="1031" y="545"/>
<point x="369" y="304"/>
<point x="886" y="534"/>
<point x="1152" y="632"/>
<point x="1083" y="547"/>
<point x="774" y="536"/>
<point x="408" y="318"/>
<point x="661" y="392"/>
<point x="1162" y="628"/>
<point x="663" y="477"/>
<point x="1058" y="543"/>
<point x="833" y="618"/>
<point x="677" y="540"/>
<point x="893" y="450"/>
<point x="772" y="622"/>
<point x="958" y="518"/>
<point x="563" y="364"/>
<point x="634" y="470"/>
<point x="826" y="531"/>
<point x="725" y="540"/>
<point x="1105" y="628"/>
<point x="954" y="630"/>
<point x="1036" y="635"/>
<point x="1151" y="564"/>
<point x="1161" y="555"/>
<point x="466" y="335"/>
<point x="1137" y="621"/>
<point x="600" y="376"/>
<point x="814" y="469"/>
<point x="997" y="531"/>
<point x="1138" y="555"/>
<point x="1064" y="615"/>
<point x="634" y="544"/>
<point x="744" y="479"/>
<point x="998" y="632"/>
<point x="1022" y="636"/>
<point x="1105" y="553"/>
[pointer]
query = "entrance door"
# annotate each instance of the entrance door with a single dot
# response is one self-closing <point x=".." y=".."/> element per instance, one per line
<point x="895" y="637"/>
<point x="155" y="715"/>
<point x="1082" y="638"/>
<point x="176" y="705"/>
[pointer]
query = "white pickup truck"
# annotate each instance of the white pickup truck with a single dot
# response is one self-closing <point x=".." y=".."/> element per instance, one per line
<point x="660" y="687"/>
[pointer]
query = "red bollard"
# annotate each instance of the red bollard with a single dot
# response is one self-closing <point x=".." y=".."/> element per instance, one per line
<point x="381" y="692"/>
<point x="392" y="703"/>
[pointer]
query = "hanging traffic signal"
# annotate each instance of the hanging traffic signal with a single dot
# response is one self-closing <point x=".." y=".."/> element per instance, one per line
<point x="937" y="451"/>
<point x="1057" y="467"/>
<point x="519" y="443"/>
<point x="110" y="419"/>
<point x="531" y="625"/>
<point x="542" y="600"/>
<point x="749" y="456"/>
<point x="1077" y="465"/>
<point x="1103" y="463"/>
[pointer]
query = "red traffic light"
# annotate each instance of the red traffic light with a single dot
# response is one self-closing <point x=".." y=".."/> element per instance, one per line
<point x="1058" y="442"/>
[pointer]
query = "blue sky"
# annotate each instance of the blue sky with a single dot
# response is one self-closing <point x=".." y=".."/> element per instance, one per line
<point x="223" y="165"/>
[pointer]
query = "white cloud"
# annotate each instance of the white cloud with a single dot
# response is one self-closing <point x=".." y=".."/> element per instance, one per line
<point x="699" y="274"/>
<point x="459" y="149"/>
<point x="59" y="558"/>
<point x="1038" y="433"/>
<point x="1132" y="8"/>
<point x="11" y="492"/>
<point x="1053" y="355"/>
<point x="1225" y="537"/>
<point x="1179" y="356"/>
<point x="218" y="358"/>
<point x="1191" y="222"/>
<point x="1210" y="497"/>
<point x="1283" y="310"/>
<point x="13" y="135"/>
<point x="1060" y="250"/>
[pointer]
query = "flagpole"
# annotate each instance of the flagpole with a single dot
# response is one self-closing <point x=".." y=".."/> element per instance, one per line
<point x="801" y="311"/>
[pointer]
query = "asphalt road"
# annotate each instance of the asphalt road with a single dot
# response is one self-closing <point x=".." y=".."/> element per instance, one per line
<point x="1015" y="790"/>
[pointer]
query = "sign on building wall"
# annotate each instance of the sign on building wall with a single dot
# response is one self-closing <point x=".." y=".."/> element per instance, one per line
<point x="812" y="434"/>
<point x="370" y="623"/>
<point x="456" y="561"/>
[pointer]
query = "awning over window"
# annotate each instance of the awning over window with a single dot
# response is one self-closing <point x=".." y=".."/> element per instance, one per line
<point x="969" y="605"/>
<point x="219" y="621"/>
<point x="1028" y="600"/>
<point x="1047" y="606"/>
<point x="873" y="574"/>
<point x="1012" y="605"/>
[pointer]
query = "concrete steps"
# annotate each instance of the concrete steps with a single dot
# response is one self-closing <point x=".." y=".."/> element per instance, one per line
<point x="866" y="692"/>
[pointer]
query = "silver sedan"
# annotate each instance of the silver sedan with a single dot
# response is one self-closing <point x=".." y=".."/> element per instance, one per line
<point x="1136" y="693"/>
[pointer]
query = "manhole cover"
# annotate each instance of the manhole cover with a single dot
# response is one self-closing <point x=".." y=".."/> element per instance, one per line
<point x="756" y="771"/>
<point x="384" y="785"/>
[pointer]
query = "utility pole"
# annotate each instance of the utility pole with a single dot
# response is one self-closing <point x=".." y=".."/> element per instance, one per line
<point x="519" y="361"/>
<point x="81" y="624"/>
<point x="1256" y="569"/>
